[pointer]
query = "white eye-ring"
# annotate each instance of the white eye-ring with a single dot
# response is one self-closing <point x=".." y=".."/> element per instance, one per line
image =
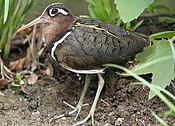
<point x="54" y="11"/>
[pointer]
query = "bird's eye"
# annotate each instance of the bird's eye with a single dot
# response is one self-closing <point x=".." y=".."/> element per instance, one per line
<point x="53" y="12"/>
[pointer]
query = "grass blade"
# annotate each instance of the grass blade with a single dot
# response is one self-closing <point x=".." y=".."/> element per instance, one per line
<point x="6" y="8"/>
<point x="12" y="13"/>
<point x="162" y="122"/>
<point x="137" y="25"/>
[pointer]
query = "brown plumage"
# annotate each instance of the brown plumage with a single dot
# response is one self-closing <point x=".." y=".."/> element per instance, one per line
<point x="92" y="43"/>
<point x="83" y="45"/>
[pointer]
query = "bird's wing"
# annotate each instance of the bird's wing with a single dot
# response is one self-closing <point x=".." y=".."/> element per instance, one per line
<point x="70" y="54"/>
<point x="108" y="43"/>
<point x="93" y="43"/>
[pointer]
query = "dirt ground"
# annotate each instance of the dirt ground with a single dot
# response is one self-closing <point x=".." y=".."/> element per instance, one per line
<point x="121" y="103"/>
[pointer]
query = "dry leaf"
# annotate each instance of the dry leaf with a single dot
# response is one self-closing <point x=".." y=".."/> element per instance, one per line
<point x="32" y="78"/>
<point x="49" y="70"/>
<point x="18" y="64"/>
<point x="4" y="83"/>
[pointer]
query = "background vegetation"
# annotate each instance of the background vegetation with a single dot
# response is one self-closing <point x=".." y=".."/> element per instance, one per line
<point x="12" y="14"/>
<point x="158" y="58"/>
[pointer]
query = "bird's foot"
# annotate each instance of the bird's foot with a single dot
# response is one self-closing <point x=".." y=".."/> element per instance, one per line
<point x="90" y="115"/>
<point x="75" y="109"/>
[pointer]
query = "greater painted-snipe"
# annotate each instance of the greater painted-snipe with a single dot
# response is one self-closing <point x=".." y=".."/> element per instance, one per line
<point x="83" y="45"/>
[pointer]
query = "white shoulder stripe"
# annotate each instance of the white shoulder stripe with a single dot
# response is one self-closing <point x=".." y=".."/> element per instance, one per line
<point x="57" y="43"/>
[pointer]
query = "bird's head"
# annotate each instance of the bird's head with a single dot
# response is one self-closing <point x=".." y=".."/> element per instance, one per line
<point x="55" y="19"/>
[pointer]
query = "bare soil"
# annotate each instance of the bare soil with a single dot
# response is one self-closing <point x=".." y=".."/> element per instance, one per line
<point x="121" y="103"/>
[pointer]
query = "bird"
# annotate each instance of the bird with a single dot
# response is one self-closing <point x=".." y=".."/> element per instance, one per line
<point x="82" y="45"/>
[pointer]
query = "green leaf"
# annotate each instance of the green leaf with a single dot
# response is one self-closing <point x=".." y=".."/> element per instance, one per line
<point x="160" y="62"/>
<point x="91" y="11"/>
<point x="107" y="6"/>
<point x="160" y="35"/>
<point x="147" y="54"/>
<point x="12" y="12"/>
<point x="131" y="9"/>
<point x="90" y="2"/>
<point x="18" y="76"/>
<point x="101" y="9"/>
<point x="169" y="20"/>
<point x="161" y="7"/>
<point x="6" y="5"/>
<point x="151" y="87"/>
<point x="15" y="85"/>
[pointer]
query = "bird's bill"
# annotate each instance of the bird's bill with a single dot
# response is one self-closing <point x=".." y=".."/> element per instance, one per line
<point x="34" y="22"/>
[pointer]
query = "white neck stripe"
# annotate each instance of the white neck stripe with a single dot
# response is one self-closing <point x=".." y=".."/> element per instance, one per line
<point x="57" y="43"/>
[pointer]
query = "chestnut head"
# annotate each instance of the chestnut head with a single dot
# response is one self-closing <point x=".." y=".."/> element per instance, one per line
<point x="55" y="19"/>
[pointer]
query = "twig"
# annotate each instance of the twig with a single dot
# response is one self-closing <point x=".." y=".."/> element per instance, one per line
<point x="105" y="102"/>
<point x="28" y="38"/>
<point x="1" y="94"/>
<point x="5" y="72"/>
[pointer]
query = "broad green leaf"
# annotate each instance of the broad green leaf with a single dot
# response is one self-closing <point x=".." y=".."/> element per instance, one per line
<point x="6" y="8"/>
<point x="131" y="9"/>
<point x="160" y="63"/>
<point x="151" y="87"/>
<point x="147" y="54"/>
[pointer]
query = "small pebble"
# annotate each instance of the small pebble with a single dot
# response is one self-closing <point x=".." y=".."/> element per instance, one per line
<point x="119" y="121"/>
<point x="63" y="118"/>
<point x="107" y="124"/>
<point x="111" y="113"/>
<point x="35" y="115"/>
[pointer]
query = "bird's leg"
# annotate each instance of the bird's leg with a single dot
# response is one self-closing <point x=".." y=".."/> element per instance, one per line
<point x="92" y="110"/>
<point x="80" y="103"/>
